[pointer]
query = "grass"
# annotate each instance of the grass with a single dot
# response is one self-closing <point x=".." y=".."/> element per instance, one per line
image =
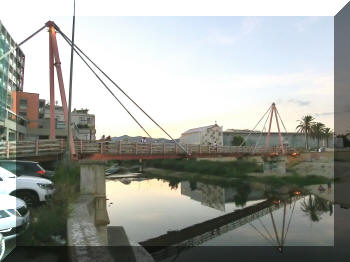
<point x="292" y="180"/>
<point x="216" y="172"/>
<point x="238" y="169"/>
<point x="50" y="219"/>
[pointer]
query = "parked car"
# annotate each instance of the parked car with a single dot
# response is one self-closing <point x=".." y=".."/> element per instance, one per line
<point x="31" y="190"/>
<point x="28" y="168"/>
<point x="112" y="170"/>
<point x="14" y="216"/>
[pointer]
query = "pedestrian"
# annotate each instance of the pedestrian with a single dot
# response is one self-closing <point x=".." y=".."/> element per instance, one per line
<point x="321" y="188"/>
<point x="329" y="185"/>
<point x="216" y="146"/>
<point x="3" y="138"/>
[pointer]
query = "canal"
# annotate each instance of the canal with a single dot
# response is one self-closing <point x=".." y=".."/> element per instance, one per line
<point x="153" y="210"/>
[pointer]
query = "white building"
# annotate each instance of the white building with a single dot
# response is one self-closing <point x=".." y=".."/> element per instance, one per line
<point x="206" y="135"/>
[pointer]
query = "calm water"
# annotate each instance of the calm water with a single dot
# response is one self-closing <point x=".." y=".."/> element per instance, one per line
<point x="150" y="208"/>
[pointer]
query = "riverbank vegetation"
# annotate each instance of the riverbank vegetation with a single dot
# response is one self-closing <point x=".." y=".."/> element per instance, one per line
<point x="225" y="173"/>
<point x="231" y="169"/>
<point x="49" y="220"/>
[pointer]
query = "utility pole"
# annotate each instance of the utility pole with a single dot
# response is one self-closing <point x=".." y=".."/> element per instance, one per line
<point x="70" y="95"/>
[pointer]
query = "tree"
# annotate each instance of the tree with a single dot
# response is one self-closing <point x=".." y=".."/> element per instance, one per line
<point x="317" y="131"/>
<point x="315" y="207"/>
<point x="305" y="127"/>
<point x="327" y="132"/>
<point x="237" y="141"/>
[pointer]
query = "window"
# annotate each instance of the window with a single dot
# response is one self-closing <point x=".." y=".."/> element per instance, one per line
<point x="23" y="104"/>
<point x="23" y="113"/>
<point x="3" y="214"/>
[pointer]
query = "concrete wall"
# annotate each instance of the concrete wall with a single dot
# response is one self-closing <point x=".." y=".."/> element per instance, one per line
<point x="292" y="139"/>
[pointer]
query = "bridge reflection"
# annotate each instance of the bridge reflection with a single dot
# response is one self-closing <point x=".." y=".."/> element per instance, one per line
<point x="174" y="242"/>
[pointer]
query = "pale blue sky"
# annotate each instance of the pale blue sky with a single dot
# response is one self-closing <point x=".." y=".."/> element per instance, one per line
<point x="192" y="71"/>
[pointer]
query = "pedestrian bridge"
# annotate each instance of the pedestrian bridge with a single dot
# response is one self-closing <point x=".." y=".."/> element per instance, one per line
<point x="47" y="149"/>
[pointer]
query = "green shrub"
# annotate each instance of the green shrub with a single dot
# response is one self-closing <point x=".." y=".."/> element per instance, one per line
<point x="50" y="219"/>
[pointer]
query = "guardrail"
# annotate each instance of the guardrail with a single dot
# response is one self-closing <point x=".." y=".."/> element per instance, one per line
<point x="13" y="149"/>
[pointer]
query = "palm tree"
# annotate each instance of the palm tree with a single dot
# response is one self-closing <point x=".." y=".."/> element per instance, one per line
<point x="317" y="131"/>
<point x="328" y="133"/>
<point x="314" y="207"/>
<point x="305" y="127"/>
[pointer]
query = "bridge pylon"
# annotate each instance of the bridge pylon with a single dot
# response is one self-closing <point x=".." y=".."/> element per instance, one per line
<point x="54" y="61"/>
<point x="274" y="111"/>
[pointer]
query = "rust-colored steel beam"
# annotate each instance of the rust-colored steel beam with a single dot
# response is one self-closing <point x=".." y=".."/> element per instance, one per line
<point x="57" y="63"/>
<point x="279" y="132"/>
<point x="268" y="133"/>
<point x="52" y="88"/>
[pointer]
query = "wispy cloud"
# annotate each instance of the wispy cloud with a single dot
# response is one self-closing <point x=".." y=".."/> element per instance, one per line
<point x="299" y="102"/>
<point x="324" y="114"/>
<point x="248" y="25"/>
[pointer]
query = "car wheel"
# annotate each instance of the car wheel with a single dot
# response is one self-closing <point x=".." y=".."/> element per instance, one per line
<point x="30" y="198"/>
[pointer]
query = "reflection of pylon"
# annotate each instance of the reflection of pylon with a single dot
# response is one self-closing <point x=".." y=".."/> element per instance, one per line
<point x="280" y="239"/>
<point x="55" y="62"/>
<point x="274" y="110"/>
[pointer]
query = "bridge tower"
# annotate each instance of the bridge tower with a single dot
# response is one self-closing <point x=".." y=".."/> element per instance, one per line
<point x="54" y="61"/>
<point x="274" y="110"/>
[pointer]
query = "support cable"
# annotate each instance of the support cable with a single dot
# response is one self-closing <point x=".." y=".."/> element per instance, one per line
<point x="256" y="144"/>
<point x="285" y="129"/>
<point x="110" y="91"/>
<point x="121" y="90"/>
<point x="268" y="233"/>
<point x="268" y="240"/>
<point x="21" y="43"/>
<point x="244" y="140"/>
<point x="290" y="219"/>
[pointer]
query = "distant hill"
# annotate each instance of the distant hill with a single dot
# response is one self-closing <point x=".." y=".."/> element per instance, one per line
<point x="138" y="139"/>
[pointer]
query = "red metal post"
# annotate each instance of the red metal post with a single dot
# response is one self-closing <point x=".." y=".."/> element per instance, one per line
<point x="268" y="133"/>
<point x="52" y="87"/>
<point x="279" y="132"/>
<point x="60" y="82"/>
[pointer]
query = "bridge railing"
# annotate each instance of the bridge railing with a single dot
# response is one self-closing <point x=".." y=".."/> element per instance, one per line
<point x="58" y="146"/>
<point x="12" y="149"/>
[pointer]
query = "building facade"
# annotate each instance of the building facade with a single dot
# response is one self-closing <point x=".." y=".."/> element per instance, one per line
<point x="83" y="123"/>
<point x="206" y="135"/>
<point x="292" y="139"/>
<point x="12" y="126"/>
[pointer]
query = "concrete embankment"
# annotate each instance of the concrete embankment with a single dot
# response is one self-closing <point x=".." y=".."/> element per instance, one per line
<point x="89" y="238"/>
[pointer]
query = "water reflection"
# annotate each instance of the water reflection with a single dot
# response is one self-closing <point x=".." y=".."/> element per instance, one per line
<point x="314" y="207"/>
<point x="168" y="217"/>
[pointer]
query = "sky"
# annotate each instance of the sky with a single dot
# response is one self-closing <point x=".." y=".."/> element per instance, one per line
<point x="190" y="71"/>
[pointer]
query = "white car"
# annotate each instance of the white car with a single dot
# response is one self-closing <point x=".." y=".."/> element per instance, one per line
<point x="31" y="190"/>
<point x="14" y="216"/>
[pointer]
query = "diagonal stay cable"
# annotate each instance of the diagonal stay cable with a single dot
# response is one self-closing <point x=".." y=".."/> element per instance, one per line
<point x="120" y="89"/>
<point x="268" y="240"/>
<point x="290" y="219"/>
<point x="244" y="140"/>
<point x="265" y="229"/>
<point x="110" y="91"/>
<point x="21" y="43"/>
<point x="285" y="129"/>
<point x="256" y="144"/>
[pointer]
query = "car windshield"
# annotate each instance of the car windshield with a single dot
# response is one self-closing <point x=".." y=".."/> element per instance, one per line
<point x="3" y="214"/>
<point x="6" y="173"/>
